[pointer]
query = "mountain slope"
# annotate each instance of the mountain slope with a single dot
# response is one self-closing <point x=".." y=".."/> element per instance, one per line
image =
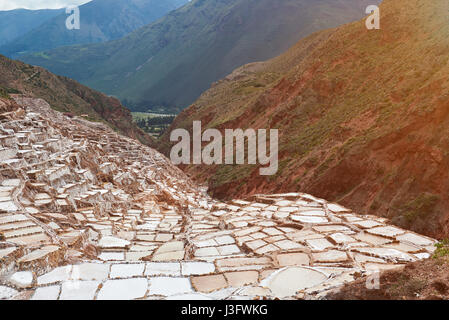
<point x="15" y="23"/>
<point x="100" y="20"/>
<point x="166" y="65"/>
<point x="67" y="95"/>
<point x="363" y="117"/>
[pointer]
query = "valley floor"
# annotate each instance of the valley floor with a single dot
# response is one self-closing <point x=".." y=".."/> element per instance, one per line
<point x="88" y="214"/>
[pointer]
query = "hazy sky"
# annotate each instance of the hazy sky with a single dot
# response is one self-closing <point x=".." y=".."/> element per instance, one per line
<point x="38" y="4"/>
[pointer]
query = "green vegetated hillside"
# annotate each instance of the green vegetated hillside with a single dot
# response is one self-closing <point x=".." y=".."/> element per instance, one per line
<point x="15" y="23"/>
<point x="363" y="117"/>
<point x="166" y="65"/>
<point x="100" y="20"/>
<point x="66" y="95"/>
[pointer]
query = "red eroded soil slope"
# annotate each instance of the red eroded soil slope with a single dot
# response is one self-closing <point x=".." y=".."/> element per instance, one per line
<point x="363" y="117"/>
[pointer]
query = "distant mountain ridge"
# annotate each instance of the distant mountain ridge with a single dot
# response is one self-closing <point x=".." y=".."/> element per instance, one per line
<point x="16" y="23"/>
<point x="166" y="65"/>
<point x="101" y="20"/>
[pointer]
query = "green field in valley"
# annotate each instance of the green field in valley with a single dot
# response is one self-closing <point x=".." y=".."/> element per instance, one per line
<point x="153" y="123"/>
